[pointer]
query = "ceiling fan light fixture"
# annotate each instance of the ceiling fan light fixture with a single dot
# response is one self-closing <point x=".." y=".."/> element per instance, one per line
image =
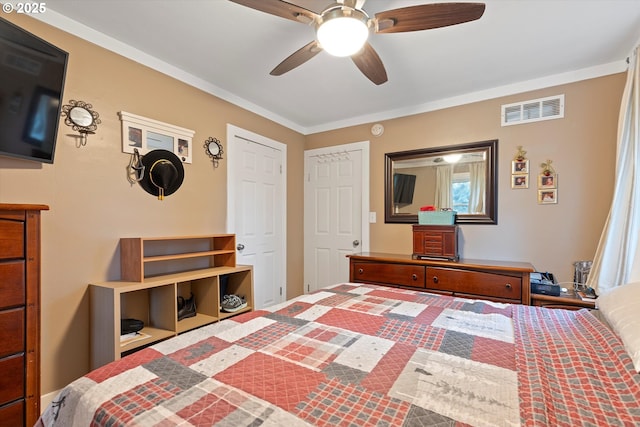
<point x="343" y="31"/>
<point x="452" y="158"/>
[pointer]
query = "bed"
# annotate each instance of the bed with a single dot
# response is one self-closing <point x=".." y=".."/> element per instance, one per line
<point x="360" y="355"/>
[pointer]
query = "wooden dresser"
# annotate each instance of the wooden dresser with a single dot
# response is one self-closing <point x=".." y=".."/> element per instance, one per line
<point x="501" y="281"/>
<point x="20" y="314"/>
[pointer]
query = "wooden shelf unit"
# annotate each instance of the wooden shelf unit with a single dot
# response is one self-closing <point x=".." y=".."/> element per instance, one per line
<point x="153" y="298"/>
<point x="144" y="257"/>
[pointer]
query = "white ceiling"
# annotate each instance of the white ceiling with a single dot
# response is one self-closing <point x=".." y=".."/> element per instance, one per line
<point x="228" y="50"/>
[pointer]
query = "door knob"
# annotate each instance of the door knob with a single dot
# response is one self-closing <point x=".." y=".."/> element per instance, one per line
<point x="240" y="246"/>
<point x="356" y="243"/>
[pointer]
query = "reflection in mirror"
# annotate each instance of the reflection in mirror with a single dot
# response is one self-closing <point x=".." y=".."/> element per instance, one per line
<point x="461" y="177"/>
<point x="81" y="118"/>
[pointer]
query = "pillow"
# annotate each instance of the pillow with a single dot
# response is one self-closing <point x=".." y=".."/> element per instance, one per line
<point x="621" y="307"/>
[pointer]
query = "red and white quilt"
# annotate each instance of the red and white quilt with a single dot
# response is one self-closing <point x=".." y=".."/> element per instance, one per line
<point x="362" y="355"/>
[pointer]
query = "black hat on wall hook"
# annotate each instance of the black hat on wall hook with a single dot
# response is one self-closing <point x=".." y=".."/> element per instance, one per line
<point x="163" y="173"/>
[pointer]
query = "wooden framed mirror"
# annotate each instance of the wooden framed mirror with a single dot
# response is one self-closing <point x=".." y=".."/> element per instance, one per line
<point x="460" y="177"/>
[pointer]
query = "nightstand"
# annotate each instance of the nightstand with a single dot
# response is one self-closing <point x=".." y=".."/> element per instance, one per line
<point x="567" y="300"/>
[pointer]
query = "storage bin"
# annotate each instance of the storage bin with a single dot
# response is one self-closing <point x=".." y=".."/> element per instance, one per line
<point x="436" y="217"/>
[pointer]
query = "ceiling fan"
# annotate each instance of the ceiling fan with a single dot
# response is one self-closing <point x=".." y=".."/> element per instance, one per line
<point x="342" y="28"/>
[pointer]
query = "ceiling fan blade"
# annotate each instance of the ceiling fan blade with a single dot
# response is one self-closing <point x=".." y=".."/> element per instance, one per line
<point x="368" y="61"/>
<point x="297" y="58"/>
<point x="427" y="16"/>
<point x="280" y="8"/>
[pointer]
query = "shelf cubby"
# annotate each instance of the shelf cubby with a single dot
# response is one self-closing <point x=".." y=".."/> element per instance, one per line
<point x="240" y="284"/>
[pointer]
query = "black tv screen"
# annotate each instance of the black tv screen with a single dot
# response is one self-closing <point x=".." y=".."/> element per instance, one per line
<point x="403" y="186"/>
<point x="32" y="73"/>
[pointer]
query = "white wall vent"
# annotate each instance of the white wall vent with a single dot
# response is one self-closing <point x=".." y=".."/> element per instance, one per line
<point x="534" y="110"/>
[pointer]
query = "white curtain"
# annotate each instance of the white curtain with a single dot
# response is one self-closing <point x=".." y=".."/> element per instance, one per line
<point x="444" y="186"/>
<point x="477" y="184"/>
<point x="617" y="260"/>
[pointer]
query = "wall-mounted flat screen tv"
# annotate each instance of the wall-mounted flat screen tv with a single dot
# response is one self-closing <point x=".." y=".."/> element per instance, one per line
<point x="32" y="73"/>
<point x="403" y="187"/>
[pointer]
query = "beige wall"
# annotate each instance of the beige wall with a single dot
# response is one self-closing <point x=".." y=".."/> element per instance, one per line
<point x="582" y="147"/>
<point x="93" y="205"/>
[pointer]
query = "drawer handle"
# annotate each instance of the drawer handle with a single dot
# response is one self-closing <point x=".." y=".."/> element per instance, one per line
<point x="435" y="279"/>
<point x="360" y="271"/>
<point x="414" y="277"/>
<point x="508" y="286"/>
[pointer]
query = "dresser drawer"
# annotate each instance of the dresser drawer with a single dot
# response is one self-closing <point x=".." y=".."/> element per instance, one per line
<point x="12" y="284"/>
<point x="12" y="415"/>
<point x="11" y="331"/>
<point x="392" y="274"/>
<point x="11" y="239"/>
<point x="474" y="283"/>
<point x="433" y="244"/>
<point x="11" y="379"/>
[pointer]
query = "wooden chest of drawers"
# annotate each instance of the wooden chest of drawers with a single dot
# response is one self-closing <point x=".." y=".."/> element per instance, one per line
<point x="500" y="281"/>
<point x="435" y="241"/>
<point x="19" y="314"/>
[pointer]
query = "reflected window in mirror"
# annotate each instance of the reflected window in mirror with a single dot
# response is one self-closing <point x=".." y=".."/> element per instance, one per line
<point x="461" y="177"/>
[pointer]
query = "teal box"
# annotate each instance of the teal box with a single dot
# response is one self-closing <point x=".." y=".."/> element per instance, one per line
<point x="436" y="217"/>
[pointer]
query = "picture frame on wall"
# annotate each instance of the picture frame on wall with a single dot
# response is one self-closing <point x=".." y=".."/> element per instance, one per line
<point x="548" y="196"/>
<point x="547" y="181"/>
<point x="146" y="134"/>
<point x="520" y="166"/>
<point x="520" y="181"/>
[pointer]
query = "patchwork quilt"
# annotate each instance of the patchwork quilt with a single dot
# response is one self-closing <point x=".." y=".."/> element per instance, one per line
<point x="366" y="355"/>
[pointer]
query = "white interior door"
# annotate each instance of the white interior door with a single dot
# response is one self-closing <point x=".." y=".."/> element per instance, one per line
<point x="336" y="209"/>
<point x="256" y="200"/>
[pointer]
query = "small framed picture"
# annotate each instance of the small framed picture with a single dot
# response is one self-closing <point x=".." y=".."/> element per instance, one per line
<point x="520" y="181"/>
<point x="547" y="181"/>
<point x="548" y="196"/>
<point x="520" y="166"/>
